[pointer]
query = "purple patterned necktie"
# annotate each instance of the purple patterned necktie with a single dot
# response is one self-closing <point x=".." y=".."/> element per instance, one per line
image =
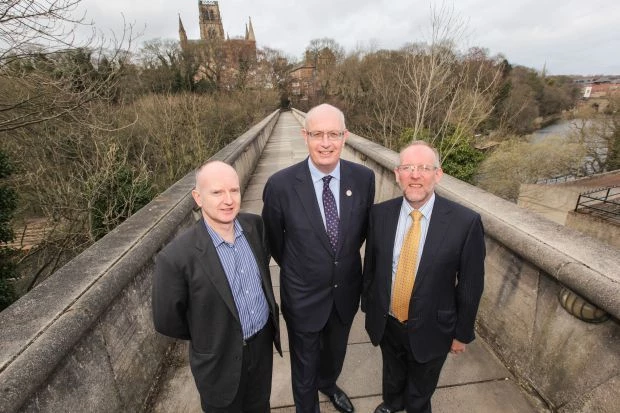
<point x="331" y="212"/>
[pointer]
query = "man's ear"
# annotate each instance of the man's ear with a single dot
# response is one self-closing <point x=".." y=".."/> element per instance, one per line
<point x="197" y="199"/>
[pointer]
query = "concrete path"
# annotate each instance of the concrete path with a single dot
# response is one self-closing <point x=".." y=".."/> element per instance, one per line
<point x="475" y="381"/>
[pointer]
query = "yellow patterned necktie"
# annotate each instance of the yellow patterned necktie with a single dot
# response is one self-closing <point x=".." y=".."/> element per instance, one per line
<point x="405" y="272"/>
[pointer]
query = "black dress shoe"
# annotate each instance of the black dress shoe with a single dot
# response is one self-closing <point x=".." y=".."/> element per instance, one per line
<point x="384" y="408"/>
<point x="341" y="401"/>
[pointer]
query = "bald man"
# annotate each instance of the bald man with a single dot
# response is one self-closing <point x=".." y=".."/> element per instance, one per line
<point x="212" y="287"/>
<point x="316" y="213"/>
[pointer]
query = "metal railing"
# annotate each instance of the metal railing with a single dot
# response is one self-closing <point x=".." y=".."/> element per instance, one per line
<point x="602" y="202"/>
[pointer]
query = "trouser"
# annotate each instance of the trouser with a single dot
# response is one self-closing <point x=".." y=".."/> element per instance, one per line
<point x="316" y="361"/>
<point x="256" y="370"/>
<point x="407" y="384"/>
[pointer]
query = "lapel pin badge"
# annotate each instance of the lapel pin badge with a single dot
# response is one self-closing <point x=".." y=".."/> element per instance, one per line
<point x="349" y="193"/>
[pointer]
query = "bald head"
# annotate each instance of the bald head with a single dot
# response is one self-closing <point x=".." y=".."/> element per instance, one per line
<point x="418" y="145"/>
<point x="213" y="170"/>
<point x="324" y="111"/>
<point x="217" y="193"/>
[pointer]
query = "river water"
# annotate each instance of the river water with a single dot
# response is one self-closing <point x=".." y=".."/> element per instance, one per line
<point x="566" y="128"/>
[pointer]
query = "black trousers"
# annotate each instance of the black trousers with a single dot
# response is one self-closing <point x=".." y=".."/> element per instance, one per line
<point x="316" y="361"/>
<point x="407" y="384"/>
<point x="256" y="370"/>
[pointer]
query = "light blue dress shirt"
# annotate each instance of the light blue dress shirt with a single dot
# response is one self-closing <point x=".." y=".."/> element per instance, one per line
<point x="334" y="185"/>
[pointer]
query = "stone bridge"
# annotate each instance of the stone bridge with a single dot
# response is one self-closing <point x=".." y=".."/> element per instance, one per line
<point x="83" y="341"/>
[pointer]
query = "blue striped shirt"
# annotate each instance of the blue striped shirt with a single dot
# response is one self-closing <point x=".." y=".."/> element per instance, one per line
<point x="244" y="279"/>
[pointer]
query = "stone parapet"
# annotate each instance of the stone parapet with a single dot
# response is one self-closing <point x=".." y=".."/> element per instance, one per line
<point x="83" y="340"/>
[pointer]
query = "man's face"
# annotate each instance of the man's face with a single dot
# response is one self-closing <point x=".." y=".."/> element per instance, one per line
<point x="325" y="151"/>
<point x="418" y="185"/>
<point x="218" y="194"/>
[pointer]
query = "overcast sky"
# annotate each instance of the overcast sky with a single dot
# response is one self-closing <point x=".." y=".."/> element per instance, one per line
<point x="569" y="36"/>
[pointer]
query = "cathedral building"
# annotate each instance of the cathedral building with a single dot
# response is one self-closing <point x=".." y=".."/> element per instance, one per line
<point x="226" y="62"/>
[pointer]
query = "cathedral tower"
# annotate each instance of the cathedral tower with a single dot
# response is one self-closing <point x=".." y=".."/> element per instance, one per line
<point x="210" y="20"/>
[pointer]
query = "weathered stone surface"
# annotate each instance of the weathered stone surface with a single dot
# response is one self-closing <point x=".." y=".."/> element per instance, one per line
<point x="83" y="382"/>
<point x="570" y="357"/>
<point x="134" y="349"/>
<point x="602" y="399"/>
<point x="560" y="356"/>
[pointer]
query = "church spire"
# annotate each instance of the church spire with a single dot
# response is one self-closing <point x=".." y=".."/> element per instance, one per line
<point x="250" y="31"/>
<point x="182" y="33"/>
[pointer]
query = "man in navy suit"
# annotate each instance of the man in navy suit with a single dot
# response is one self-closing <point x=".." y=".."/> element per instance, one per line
<point x="316" y="215"/>
<point x="438" y="313"/>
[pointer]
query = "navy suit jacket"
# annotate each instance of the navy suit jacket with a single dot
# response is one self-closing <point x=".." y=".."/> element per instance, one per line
<point x="448" y="284"/>
<point x="313" y="278"/>
<point x="192" y="300"/>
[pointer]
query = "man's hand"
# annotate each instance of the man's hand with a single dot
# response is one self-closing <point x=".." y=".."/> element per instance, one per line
<point x="457" y="347"/>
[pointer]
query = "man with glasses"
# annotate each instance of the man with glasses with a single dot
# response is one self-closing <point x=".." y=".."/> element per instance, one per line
<point x="423" y="279"/>
<point x="316" y="215"/>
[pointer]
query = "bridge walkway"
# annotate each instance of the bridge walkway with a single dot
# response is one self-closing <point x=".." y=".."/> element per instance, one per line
<point x="475" y="381"/>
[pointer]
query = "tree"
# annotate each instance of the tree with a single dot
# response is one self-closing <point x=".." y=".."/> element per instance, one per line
<point x="598" y="133"/>
<point x="165" y="67"/>
<point x="517" y="161"/>
<point x="8" y="203"/>
<point x="273" y="68"/>
<point x="325" y="54"/>
<point x="36" y="82"/>
<point x="427" y="90"/>
<point x="613" y="149"/>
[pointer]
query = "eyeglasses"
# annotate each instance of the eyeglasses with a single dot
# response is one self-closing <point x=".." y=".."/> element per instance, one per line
<point x="422" y="169"/>
<point x="332" y="135"/>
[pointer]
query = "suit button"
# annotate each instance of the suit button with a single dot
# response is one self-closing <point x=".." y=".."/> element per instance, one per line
<point x="335" y="285"/>
<point x="335" y="262"/>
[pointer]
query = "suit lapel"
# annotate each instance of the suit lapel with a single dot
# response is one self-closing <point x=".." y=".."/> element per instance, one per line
<point x="305" y="190"/>
<point x="389" y="225"/>
<point x="212" y="267"/>
<point x="437" y="229"/>
<point x="347" y="194"/>
<point x="252" y="236"/>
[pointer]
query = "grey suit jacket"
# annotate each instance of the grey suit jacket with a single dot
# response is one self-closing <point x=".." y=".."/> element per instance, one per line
<point x="192" y="300"/>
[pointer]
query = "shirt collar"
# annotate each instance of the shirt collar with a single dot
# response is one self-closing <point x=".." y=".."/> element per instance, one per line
<point x="217" y="239"/>
<point x="318" y="175"/>
<point x="425" y="209"/>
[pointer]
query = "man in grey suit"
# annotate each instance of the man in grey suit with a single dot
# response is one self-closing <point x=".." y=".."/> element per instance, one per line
<point x="212" y="287"/>
<point x="423" y="279"/>
<point x="316" y="213"/>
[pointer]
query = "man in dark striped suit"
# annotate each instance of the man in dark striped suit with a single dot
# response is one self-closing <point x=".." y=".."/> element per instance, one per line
<point x="212" y="287"/>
